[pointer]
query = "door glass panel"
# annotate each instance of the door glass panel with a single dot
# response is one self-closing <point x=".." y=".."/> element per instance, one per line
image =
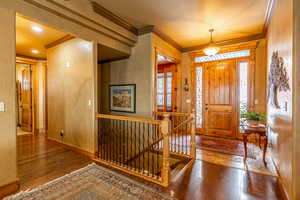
<point x="243" y="68"/>
<point x="160" y="89"/>
<point x="223" y="56"/>
<point x="169" y="91"/>
<point x="199" y="88"/>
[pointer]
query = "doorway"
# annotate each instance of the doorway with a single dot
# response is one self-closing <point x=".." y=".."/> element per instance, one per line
<point x="166" y="85"/>
<point x="24" y="98"/>
<point x="222" y="88"/>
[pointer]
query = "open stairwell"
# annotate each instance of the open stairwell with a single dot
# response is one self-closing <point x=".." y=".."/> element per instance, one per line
<point x="152" y="149"/>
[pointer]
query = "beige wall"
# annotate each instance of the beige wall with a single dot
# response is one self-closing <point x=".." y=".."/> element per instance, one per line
<point x="69" y="91"/>
<point x="138" y="69"/>
<point x="39" y="70"/>
<point x="260" y="79"/>
<point x="8" y="164"/>
<point x="135" y="70"/>
<point x="280" y="38"/>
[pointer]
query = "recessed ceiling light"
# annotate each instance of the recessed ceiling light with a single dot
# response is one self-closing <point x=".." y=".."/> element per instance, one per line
<point x="37" y="29"/>
<point x="34" y="51"/>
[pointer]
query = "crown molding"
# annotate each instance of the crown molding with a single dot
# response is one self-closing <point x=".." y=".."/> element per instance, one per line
<point x="227" y="42"/>
<point x="59" y="41"/>
<point x="113" y="17"/>
<point x="31" y="57"/>
<point x="268" y="16"/>
<point x="82" y="21"/>
<point x="166" y="38"/>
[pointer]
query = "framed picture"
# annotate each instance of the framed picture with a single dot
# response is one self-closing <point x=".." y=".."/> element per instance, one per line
<point x="123" y="98"/>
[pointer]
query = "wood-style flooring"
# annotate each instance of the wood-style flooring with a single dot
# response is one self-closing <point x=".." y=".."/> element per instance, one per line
<point x="40" y="161"/>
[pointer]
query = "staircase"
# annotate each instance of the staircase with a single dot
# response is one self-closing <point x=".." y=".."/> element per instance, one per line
<point x="148" y="148"/>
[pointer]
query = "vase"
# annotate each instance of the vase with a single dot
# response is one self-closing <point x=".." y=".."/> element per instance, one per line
<point x="252" y="123"/>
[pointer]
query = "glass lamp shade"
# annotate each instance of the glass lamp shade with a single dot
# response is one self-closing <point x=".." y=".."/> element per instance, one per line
<point x="211" y="50"/>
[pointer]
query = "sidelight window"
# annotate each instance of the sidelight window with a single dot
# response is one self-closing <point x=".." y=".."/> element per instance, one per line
<point x="243" y="82"/>
<point x="199" y="96"/>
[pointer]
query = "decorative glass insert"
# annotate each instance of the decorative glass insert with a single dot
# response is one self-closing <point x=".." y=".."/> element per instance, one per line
<point x="243" y="68"/>
<point x="169" y="91"/>
<point x="199" y="95"/>
<point x="223" y="56"/>
<point x="160" y="89"/>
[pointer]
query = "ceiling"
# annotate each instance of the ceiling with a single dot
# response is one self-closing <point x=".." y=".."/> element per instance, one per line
<point x="188" y="22"/>
<point x="28" y="40"/>
<point x="106" y="54"/>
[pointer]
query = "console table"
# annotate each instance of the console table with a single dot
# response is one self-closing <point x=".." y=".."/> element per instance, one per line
<point x="260" y="130"/>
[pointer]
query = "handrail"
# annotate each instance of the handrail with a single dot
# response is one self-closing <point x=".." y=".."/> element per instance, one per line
<point x="134" y="119"/>
<point x="182" y="123"/>
<point x="172" y="113"/>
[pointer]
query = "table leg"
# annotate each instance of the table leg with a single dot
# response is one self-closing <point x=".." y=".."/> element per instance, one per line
<point x="245" y="139"/>
<point x="265" y="149"/>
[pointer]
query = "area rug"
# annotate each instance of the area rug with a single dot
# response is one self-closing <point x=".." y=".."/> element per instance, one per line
<point x="93" y="183"/>
<point x="233" y="147"/>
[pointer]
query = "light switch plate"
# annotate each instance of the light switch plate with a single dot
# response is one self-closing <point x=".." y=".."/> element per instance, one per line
<point x="2" y="106"/>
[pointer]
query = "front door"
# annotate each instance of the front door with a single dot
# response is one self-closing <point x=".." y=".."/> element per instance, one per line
<point x="220" y="98"/>
<point x="26" y="100"/>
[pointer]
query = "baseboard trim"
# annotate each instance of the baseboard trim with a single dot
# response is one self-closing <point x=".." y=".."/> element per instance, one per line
<point x="9" y="189"/>
<point x="73" y="148"/>
<point x="280" y="182"/>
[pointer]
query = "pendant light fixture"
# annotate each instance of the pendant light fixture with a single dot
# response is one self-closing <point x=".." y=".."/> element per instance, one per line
<point x="212" y="49"/>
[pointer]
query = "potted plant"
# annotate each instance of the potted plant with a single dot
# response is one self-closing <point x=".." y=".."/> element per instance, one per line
<point x="252" y="118"/>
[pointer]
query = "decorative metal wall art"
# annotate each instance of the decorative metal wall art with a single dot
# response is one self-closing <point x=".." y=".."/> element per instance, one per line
<point x="278" y="79"/>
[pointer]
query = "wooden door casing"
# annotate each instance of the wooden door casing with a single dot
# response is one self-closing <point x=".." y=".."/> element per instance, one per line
<point x="220" y="98"/>
<point x="26" y="100"/>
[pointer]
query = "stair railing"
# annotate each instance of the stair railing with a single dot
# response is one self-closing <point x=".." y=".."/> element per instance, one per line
<point x="182" y="133"/>
<point x="137" y="146"/>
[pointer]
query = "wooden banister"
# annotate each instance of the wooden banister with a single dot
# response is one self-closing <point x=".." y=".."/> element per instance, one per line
<point x="171" y="113"/>
<point x="134" y="119"/>
<point x="165" y="129"/>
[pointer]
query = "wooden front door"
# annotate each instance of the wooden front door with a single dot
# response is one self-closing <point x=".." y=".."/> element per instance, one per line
<point x="26" y="100"/>
<point x="220" y="98"/>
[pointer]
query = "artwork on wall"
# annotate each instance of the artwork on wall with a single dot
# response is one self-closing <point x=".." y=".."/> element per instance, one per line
<point x="278" y="79"/>
<point x="123" y="98"/>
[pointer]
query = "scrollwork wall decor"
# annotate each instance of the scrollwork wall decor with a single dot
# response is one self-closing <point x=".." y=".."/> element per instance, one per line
<point x="278" y="79"/>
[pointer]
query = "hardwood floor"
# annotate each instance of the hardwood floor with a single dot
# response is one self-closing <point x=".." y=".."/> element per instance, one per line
<point x="40" y="161"/>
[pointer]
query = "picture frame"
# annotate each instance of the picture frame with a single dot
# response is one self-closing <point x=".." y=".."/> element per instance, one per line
<point x="122" y="98"/>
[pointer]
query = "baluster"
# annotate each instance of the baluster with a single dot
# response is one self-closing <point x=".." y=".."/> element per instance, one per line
<point x="139" y="141"/>
<point x="135" y="145"/>
<point x="148" y="141"/>
<point x="186" y="135"/>
<point x="143" y="144"/>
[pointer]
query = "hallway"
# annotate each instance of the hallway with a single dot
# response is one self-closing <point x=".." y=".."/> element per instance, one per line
<point x="40" y="161"/>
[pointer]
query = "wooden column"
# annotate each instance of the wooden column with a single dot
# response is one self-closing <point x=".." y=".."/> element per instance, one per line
<point x="193" y="135"/>
<point x="165" y="129"/>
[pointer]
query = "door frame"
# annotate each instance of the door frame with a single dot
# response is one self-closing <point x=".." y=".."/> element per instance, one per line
<point x="251" y="79"/>
<point x="32" y="63"/>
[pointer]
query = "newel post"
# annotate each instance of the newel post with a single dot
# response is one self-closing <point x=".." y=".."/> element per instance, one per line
<point x="165" y="129"/>
<point x="193" y="135"/>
